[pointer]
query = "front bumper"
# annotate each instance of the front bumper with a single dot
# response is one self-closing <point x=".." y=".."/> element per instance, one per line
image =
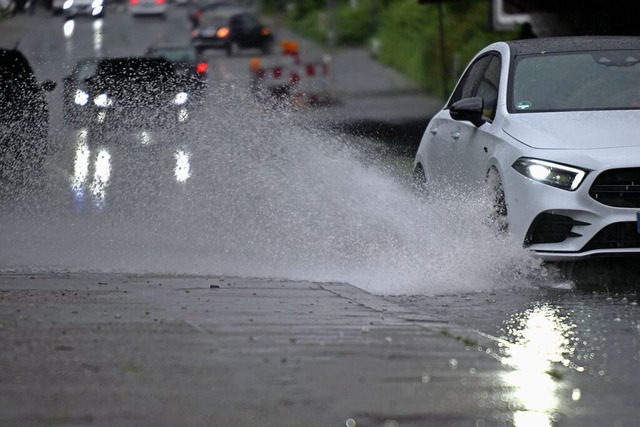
<point x="560" y="225"/>
<point x="126" y="118"/>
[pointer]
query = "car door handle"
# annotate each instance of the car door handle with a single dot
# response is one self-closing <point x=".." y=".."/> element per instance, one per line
<point x="455" y="135"/>
<point x="433" y="130"/>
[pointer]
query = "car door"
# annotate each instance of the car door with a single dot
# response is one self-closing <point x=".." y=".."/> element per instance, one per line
<point x="472" y="153"/>
<point x="451" y="138"/>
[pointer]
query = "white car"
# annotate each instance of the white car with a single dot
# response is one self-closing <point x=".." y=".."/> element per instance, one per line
<point x="552" y="128"/>
<point x="148" y="7"/>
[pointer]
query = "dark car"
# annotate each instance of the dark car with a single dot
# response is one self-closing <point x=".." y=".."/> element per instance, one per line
<point x="231" y="30"/>
<point x="136" y="93"/>
<point x="187" y="63"/>
<point x="210" y="7"/>
<point x="75" y="93"/>
<point x="24" y="114"/>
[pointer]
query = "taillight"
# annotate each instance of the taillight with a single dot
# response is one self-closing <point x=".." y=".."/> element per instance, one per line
<point x="265" y="31"/>
<point x="202" y="68"/>
<point x="197" y="14"/>
<point x="161" y="1"/>
<point x="277" y="73"/>
<point x="134" y="2"/>
<point x="222" y="32"/>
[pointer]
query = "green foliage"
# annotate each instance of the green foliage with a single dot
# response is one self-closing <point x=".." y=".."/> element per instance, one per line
<point x="408" y="32"/>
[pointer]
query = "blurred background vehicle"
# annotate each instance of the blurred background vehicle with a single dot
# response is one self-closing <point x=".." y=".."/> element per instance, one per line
<point x="188" y="63"/>
<point x="7" y="6"/>
<point x="136" y="93"/>
<point x="211" y="7"/>
<point x="57" y="6"/>
<point x="148" y="7"/>
<point x="94" y="8"/>
<point x="76" y="102"/>
<point x="231" y="29"/>
<point x="24" y="115"/>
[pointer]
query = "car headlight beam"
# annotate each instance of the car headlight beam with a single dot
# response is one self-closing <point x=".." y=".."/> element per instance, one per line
<point x="103" y="100"/>
<point x="81" y="97"/>
<point x="181" y="98"/>
<point x="553" y="174"/>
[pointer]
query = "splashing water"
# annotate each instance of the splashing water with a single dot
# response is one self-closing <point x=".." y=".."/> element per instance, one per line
<point x="266" y="195"/>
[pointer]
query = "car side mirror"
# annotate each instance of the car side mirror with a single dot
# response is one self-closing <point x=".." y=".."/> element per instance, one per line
<point x="48" y="85"/>
<point x="469" y="109"/>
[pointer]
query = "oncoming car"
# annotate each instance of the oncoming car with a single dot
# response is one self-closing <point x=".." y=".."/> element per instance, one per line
<point x="232" y="29"/>
<point x="94" y="8"/>
<point x="133" y="93"/>
<point x="550" y="127"/>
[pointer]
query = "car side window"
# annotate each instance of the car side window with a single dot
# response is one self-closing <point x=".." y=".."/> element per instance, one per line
<point x="468" y="85"/>
<point x="488" y="86"/>
<point x="481" y="79"/>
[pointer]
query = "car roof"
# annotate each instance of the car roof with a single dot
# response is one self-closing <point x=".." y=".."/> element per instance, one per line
<point x="572" y="44"/>
<point x="224" y="13"/>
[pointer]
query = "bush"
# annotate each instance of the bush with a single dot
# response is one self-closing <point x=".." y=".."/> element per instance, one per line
<point x="408" y="33"/>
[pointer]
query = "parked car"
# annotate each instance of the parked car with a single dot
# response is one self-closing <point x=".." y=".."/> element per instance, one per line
<point x="76" y="102"/>
<point x="550" y="127"/>
<point x="135" y="93"/>
<point x="232" y="29"/>
<point x="187" y="62"/>
<point x="147" y="7"/>
<point x="24" y="115"/>
<point x="73" y="8"/>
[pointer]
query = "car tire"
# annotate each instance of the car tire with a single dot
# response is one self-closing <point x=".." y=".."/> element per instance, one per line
<point x="498" y="216"/>
<point x="419" y="180"/>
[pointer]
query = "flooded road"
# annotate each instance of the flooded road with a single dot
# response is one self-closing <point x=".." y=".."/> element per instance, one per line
<point x="243" y="190"/>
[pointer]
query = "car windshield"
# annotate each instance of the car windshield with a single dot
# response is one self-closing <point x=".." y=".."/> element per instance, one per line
<point x="176" y="55"/>
<point x="137" y="70"/>
<point x="576" y="81"/>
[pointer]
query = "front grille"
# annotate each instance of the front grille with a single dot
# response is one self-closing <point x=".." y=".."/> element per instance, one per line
<point x="617" y="187"/>
<point x="620" y="235"/>
<point x="551" y="228"/>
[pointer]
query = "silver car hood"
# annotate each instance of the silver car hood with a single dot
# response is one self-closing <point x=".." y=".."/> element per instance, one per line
<point x="576" y="130"/>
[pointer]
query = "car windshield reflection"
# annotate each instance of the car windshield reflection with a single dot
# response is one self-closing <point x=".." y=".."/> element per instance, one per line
<point x="591" y="80"/>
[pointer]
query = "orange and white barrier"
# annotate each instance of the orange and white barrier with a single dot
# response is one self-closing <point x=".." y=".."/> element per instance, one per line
<point x="292" y="79"/>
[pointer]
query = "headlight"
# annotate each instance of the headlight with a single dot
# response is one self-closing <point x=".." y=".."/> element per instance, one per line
<point x="103" y="100"/>
<point x="181" y="98"/>
<point x="96" y="3"/>
<point x="81" y="97"/>
<point x="554" y="174"/>
<point x="67" y="4"/>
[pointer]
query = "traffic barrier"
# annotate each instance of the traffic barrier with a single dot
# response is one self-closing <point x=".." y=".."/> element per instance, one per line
<point x="292" y="80"/>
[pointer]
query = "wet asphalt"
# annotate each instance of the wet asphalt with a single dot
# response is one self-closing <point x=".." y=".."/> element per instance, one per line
<point x="117" y="350"/>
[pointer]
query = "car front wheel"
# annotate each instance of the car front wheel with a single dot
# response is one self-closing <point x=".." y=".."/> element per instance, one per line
<point x="419" y="180"/>
<point x="498" y="216"/>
